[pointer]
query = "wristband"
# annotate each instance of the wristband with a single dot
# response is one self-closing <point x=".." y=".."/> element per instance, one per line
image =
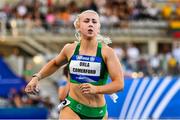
<point x="38" y="76"/>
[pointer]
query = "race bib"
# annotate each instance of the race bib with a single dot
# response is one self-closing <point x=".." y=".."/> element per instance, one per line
<point x="85" y="69"/>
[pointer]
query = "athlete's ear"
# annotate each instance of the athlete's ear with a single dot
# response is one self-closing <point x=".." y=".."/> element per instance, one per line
<point x="78" y="27"/>
<point x="78" y="24"/>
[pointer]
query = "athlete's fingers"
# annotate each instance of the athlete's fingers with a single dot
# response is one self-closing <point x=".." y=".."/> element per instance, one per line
<point x="81" y="85"/>
<point x="84" y="84"/>
<point x="31" y="90"/>
<point x="31" y="93"/>
<point x="86" y="91"/>
<point x="34" y="87"/>
<point x="84" y="87"/>
<point x="28" y="89"/>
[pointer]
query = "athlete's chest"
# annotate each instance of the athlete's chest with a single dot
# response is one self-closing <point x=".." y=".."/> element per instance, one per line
<point x="85" y="64"/>
<point x="83" y="67"/>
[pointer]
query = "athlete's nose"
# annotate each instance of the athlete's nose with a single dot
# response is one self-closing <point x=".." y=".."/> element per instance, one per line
<point x="90" y="24"/>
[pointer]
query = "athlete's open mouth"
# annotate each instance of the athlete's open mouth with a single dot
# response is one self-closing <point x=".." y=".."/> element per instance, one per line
<point x="90" y="30"/>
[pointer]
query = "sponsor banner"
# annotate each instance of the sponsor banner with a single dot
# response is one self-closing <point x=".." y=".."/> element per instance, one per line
<point x="147" y="98"/>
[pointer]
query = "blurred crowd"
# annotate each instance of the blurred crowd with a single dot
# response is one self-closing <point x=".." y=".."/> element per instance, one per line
<point x="19" y="99"/>
<point x="48" y="14"/>
<point x="161" y="64"/>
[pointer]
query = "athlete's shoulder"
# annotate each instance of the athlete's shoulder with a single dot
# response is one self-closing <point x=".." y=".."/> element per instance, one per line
<point x="70" y="46"/>
<point x="106" y="48"/>
<point x="107" y="52"/>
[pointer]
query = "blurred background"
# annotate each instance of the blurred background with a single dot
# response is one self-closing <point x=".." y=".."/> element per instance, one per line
<point x="145" y="35"/>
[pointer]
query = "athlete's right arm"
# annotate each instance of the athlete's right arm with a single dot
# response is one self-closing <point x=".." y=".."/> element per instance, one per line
<point x="48" y="69"/>
<point x="55" y="63"/>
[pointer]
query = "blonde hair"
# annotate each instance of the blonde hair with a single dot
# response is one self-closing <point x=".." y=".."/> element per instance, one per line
<point x="99" y="37"/>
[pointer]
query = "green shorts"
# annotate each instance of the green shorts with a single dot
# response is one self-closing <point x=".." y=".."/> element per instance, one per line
<point x="87" y="112"/>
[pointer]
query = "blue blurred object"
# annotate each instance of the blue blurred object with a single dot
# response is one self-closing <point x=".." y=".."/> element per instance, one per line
<point x="147" y="98"/>
<point x="9" y="80"/>
<point x="23" y="113"/>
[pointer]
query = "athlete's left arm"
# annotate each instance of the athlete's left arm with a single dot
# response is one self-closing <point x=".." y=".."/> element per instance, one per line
<point x="115" y="72"/>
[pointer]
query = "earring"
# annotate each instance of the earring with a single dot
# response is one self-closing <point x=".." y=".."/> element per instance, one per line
<point x="77" y="35"/>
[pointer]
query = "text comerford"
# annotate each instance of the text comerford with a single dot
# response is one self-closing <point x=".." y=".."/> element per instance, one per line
<point x="84" y="70"/>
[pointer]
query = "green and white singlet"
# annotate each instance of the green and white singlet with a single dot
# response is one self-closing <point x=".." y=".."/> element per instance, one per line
<point x="88" y="69"/>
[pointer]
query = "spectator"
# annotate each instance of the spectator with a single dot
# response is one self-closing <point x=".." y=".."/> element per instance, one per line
<point x="142" y="65"/>
<point x="64" y="16"/>
<point x="155" y="64"/>
<point x="107" y="18"/>
<point x="153" y="11"/>
<point x="50" y="19"/>
<point x="89" y="5"/>
<point x="167" y="11"/>
<point x="133" y="55"/>
<point x="176" y="53"/>
<point x="172" y="65"/>
<point x="22" y="10"/>
<point x="3" y="15"/>
<point x="178" y="11"/>
<point x="119" y="52"/>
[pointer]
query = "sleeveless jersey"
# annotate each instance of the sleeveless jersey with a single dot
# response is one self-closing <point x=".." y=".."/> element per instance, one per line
<point x="88" y="69"/>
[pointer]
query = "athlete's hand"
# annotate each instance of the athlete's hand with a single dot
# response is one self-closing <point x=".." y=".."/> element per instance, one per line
<point x="87" y="88"/>
<point x="32" y="87"/>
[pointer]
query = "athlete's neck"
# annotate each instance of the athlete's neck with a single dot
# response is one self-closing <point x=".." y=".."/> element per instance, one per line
<point x="88" y="44"/>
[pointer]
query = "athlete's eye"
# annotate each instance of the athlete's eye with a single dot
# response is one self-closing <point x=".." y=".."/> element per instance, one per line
<point x="94" y="21"/>
<point x="86" y="21"/>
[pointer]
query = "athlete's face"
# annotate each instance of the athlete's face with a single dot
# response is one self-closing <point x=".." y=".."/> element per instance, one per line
<point x="89" y="24"/>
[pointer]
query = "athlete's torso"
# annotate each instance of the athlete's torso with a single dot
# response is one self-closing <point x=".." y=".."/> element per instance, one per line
<point x="94" y="100"/>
